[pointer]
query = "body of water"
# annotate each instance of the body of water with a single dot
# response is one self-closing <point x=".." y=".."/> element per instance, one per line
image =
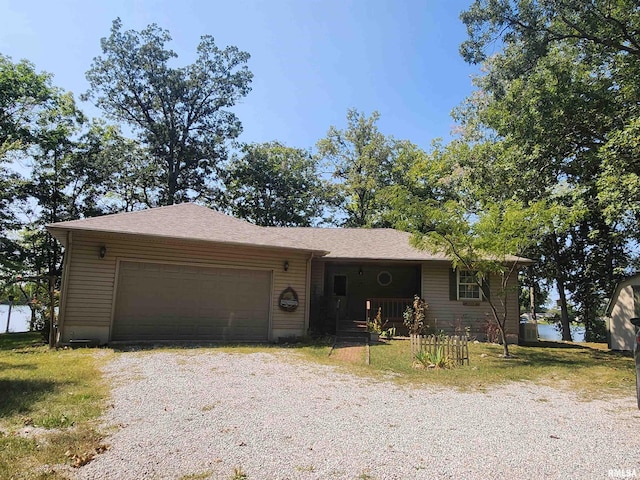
<point x="551" y="332"/>
<point x="20" y="316"/>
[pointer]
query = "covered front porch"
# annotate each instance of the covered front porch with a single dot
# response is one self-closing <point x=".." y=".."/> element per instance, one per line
<point x="344" y="295"/>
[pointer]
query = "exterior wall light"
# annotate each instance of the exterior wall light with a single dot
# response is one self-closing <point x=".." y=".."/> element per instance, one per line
<point x="286" y="265"/>
<point x="103" y="251"/>
<point x="360" y="272"/>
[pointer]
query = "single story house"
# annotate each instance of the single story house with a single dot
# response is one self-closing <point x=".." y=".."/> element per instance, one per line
<point x="623" y="306"/>
<point x="188" y="273"/>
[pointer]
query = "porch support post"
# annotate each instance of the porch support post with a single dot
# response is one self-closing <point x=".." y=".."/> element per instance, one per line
<point x="307" y="294"/>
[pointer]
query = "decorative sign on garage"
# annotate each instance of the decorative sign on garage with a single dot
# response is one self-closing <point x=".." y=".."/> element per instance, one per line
<point x="288" y="300"/>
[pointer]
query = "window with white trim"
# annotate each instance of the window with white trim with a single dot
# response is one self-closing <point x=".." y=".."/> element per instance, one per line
<point x="468" y="289"/>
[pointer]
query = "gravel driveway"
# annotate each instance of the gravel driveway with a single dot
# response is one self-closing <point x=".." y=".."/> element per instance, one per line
<point x="199" y="414"/>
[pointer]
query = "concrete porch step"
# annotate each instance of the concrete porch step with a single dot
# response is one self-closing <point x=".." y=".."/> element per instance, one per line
<point x="350" y="340"/>
<point x="352" y="325"/>
<point x="352" y="331"/>
<point x="352" y="335"/>
<point x="356" y="330"/>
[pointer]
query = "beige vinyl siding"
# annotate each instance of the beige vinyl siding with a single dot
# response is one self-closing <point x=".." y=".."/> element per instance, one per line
<point x="621" y="330"/>
<point x="449" y="314"/>
<point x="91" y="283"/>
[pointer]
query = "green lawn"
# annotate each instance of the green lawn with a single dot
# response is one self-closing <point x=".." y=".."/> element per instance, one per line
<point x="588" y="369"/>
<point x="58" y="394"/>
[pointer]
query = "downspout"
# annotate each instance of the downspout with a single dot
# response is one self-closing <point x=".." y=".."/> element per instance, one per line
<point x="307" y="294"/>
<point x="63" y="286"/>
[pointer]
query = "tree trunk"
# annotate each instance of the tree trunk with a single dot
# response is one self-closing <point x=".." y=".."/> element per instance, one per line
<point x="172" y="183"/>
<point x="501" y="328"/>
<point x="496" y="317"/>
<point x="32" y="306"/>
<point x="34" y="319"/>
<point x="564" y="311"/>
<point x="532" y="304"/>
<point x="505" y="345"/>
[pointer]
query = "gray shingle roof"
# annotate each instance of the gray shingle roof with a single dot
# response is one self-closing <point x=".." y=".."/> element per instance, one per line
<point x="194" y="222"/>
<point x="184" y="221"/>
<point x="360" y="243"/>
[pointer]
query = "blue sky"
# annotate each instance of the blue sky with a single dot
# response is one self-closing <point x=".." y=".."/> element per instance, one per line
<point x="312" y="60"/>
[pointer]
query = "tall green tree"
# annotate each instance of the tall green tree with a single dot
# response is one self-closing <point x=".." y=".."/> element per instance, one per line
<point x="121" y="175"/>
<point x="359" y="158"/>
<point x="608" y="26"/>
<point x="416" y="180"/>
<point x="68" y="170"/>
<point x="50" y="157"/>
<point x="537" y="138"/>
<point x="558" y="98"/>
<point x="601" y="39"/>
<point x="270" y="184"/>
<point x="24" y="94"/>
<point x="619" y="182"/>
<point x="180" y="114"/>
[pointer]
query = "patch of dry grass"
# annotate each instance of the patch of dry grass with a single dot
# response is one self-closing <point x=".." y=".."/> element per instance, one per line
<point x="48" y="408"/>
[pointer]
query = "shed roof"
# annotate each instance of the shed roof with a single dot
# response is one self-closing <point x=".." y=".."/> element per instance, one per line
<point x="630" y="280"/>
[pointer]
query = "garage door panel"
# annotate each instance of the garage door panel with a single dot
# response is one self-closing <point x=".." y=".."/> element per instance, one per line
<point x="191" y="332"/>
<point x="178" y="302"/>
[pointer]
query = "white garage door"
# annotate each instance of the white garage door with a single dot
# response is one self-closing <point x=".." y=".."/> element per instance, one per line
<point x="180" y="302"/>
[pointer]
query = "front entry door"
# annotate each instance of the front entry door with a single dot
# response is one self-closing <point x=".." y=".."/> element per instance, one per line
<point x="339" y="297"/>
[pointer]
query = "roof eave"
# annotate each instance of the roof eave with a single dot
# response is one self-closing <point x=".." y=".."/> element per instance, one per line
<point x="59" y="234"/>
<point x="525" y="261"/>
<point x="384" y="259"/>
<point x="519" y="261"/>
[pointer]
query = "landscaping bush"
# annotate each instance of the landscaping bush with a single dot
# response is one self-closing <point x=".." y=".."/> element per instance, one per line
<point x="415" y="317"/>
